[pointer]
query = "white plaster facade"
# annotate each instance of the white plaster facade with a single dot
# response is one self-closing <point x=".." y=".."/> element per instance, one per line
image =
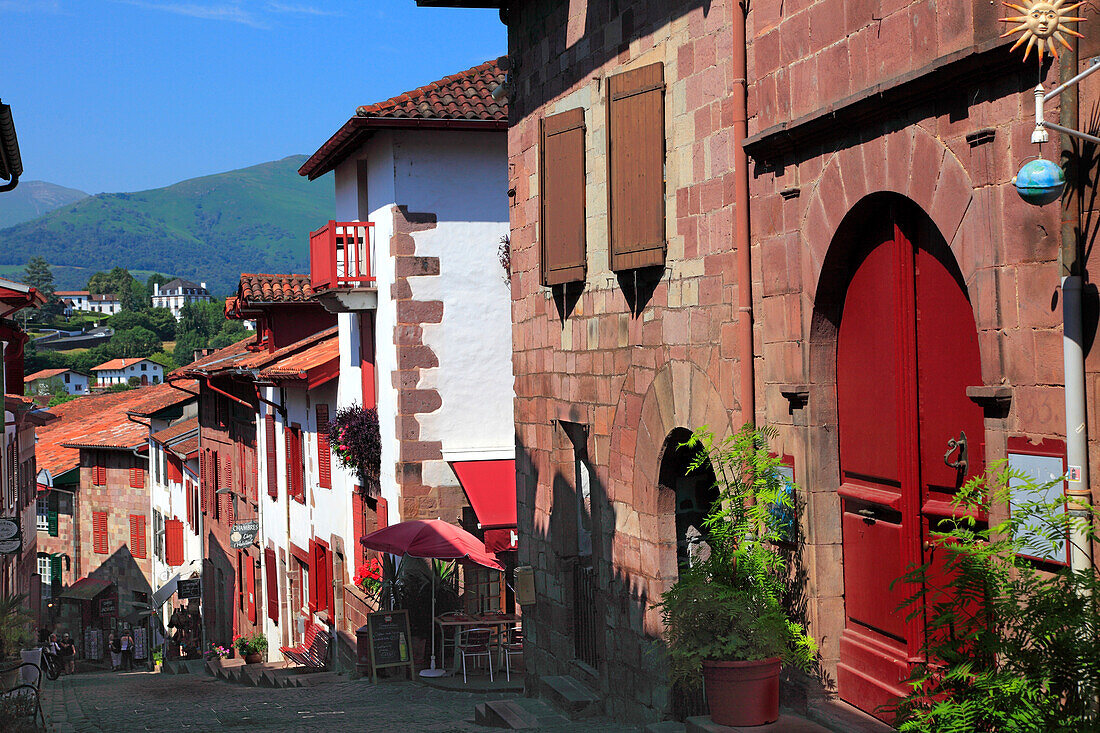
<point x="175" y="294"/>
<point x="149" y="371"/>
<point x="168" y="500"/>
<point x="75" y="383"/>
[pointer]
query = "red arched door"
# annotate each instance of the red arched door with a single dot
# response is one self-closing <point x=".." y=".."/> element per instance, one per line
<point x="907" y="349"/>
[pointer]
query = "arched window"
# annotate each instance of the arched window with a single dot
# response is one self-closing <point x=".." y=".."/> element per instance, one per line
<point x="693" y="492"/>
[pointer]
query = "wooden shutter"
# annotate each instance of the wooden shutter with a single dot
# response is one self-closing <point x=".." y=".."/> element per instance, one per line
<point x="99" y="470"/>
<point x="204" y="479"/>
<point x="636" y="164"/>
<point x="137" y="535"/>
<point x="272" y="457"/>
<point x="358" y="525"/>
<point x="382" y="512"/>
<point x="52" y="501"/>
<point x="173" y="542"/>
<point x="250" y="589"/>
<point x="271" y="571"/>
<point x="227" y="473"/>
<point x="225" y="508"/>
<point x="137" y="477"/>
<point x="324" y="453"/>
<point x="562" y="197"/>
<point x="175" y="469"/>
<point x="313" y="551"/>
<point x="189" y="498"/>
<point x="294" y="462"/>
<point x="99" y="532"/>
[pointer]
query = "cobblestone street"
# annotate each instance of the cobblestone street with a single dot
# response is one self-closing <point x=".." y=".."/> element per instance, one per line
<point x="141" y="701"/>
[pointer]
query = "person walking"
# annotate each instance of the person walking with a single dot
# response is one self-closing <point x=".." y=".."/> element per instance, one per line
<point x="127" y="644"/>
<point x="68" y="654"/>
<point x="116" y="652"/>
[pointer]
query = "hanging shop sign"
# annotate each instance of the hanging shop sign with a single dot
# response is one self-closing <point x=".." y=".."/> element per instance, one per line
<point x="11" y="538"/>
<point x="243" y="534"/>
<point x="190" y="588"/>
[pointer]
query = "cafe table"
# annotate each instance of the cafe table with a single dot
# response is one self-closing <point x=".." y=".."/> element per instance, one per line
<point x="459" y="621"/>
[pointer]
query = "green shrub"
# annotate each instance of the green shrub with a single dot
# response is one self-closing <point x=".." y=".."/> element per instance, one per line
<point x="1012" y="642"/>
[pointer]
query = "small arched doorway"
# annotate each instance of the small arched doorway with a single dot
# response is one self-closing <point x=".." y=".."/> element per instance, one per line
<point x="906" y="351"/>
<point x="687" y="495"/>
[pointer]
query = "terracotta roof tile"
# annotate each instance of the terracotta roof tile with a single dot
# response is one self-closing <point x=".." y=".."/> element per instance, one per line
<point x="467" y="95"/>
<point x="172" y="432"/>
<point x="302" y="364"/>
<point x="46" y="374"/>
<point x="265" y="288"/>
<point x="100" y="421"/>
<point x="224" y="358"/>
<point x="462" y="100"/>
<point x="186" y="447"/>
<point x="118" y="364"/>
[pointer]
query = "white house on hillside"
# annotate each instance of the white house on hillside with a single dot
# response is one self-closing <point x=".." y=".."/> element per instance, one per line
<point x="120" y="371"/>
<point x="40" y="382"/>
<point x="175" y="294"/>
<point x="82" y="300"/>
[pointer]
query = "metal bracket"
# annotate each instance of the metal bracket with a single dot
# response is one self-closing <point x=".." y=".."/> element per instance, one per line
<point x="959" y="444"/>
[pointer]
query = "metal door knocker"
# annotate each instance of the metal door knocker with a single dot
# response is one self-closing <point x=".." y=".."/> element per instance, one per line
<point x="960" y="444"/>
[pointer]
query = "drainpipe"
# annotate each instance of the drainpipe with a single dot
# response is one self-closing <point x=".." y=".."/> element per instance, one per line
<point x="747" y="386"/>
<point x="1072" y="271"/>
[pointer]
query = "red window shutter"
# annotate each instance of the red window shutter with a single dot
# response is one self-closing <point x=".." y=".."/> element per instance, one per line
<point x="175" y="470"/>
<point x="636" y="163"/>
<point x="137" y="477"/>
<point x="288" y="457"/>
<point x="562" y="198"/>
<point x="225" y="508"/>
<point x="99" y="470"/>
<point x="173" y="542"/>
<point x="99" y="532"/>
<point x="272" y="572"/>
<point x="227" y="473"/>
<point x="358" y="522"/>
<point x="204" y="478"/>
<point x="137" y="536"/>
<point x="383" y="513"/>
<point x="329" y="593"/>
<point x="313" y="571"/>
<point x="294" y="462"/>
<point x="190" y="504"/>
<point x="324" y="454"/>
<point x="250" y="590"/>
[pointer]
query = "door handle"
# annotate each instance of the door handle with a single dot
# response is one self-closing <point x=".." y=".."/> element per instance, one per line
<point x="868" y="515"/>
<point x="959" y="443"/>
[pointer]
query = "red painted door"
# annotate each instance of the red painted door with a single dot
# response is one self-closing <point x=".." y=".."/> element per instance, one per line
<point x="907" y="348"/>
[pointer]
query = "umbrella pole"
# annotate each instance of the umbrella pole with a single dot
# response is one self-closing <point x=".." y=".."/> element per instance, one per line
<point x="432" y="672"/>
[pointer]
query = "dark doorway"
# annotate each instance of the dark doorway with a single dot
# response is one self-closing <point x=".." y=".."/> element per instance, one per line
<point x="693" y="492"/>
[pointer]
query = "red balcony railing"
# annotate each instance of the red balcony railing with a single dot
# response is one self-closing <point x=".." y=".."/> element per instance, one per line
<point x="341" y="255"/>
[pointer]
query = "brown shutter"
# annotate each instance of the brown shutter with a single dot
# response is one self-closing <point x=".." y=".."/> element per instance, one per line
<point x="324" y="454"/>
<point x="173" y="542"/>
<point x="562" y="195"/>
<point x="271" y="571"/>
<point x="636" y="167"/>
<point x="272" y="459"/>
<point x="99" y="532"/>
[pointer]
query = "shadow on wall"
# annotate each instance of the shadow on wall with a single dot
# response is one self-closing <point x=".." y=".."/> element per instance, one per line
<point x="219" y="582"/>
<point x="1082" y="167"/>
<point x="590" y="617"/>
<point x="122" y="569"/>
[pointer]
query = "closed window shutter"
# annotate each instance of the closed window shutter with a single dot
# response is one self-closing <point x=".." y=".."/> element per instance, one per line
<point x="294" y="462"/>
<point x="562" y="198"/>
<point x="382" y="512"/>
<point x="137" y="477"/>
<point x="225" y="508"/>
<point x="271" y="571"/>
<point x="99" y="471"/>
<point x="227" y="473"/>
<point x="358" y="525"/>
<point x="175" y="472"/>
<point x="53" y="500"/>
<point x="173" y="542"/>
<point x="272" y="457"/>
<point x="190" y="504"/>
<point x="313" y="575"/>
<point x="204" y="479"/>
<point x="636" y="163"/>
<point x="288" y="457"/>
<point x="137" y="535"/>
<point x="250" y="587"/>
<point x="99" y="532"/>
<point x="324" y="454"/>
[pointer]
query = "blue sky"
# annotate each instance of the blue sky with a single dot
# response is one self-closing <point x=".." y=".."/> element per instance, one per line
<point x="126" y="95"/>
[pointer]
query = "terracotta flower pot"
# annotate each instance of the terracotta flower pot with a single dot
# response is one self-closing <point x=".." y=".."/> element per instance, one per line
<point x="743" y="693"/>
<point x="253" y="658"/>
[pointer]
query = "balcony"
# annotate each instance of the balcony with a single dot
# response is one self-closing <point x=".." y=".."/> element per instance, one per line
<point x="341" y="266"/>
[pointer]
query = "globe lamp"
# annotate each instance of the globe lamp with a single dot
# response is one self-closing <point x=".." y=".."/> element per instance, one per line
<point x="1040" y="182"/>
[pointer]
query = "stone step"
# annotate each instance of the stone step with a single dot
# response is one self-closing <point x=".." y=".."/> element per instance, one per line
<point x="520" y="714"/>
<point x="571" y="696"/>
<point x="319" y="678"/>
<point x="839" y="716"/>
<point x="253" y="673"/>
<point x="665" y="726"/>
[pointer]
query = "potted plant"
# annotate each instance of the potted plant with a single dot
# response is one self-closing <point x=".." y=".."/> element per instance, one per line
<point x="725" y="622"/>
<point x="251" y="647"/>
<point x="14" y="635"/>
<point x="357" y="444"/>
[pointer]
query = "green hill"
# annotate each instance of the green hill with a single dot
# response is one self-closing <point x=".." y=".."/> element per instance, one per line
<point x="31" y="199"/>
<point x="205" y="229"/>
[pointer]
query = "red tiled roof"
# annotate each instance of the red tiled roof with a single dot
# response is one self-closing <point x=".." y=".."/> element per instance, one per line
<point x="23" y="401"/>
<point x="462" y="100"/>
<point x="265" y="288"/>
<point x="316" y="364"/>
<point x="228" y="357"/>
<point x="118" y="364"/>
<point x="99" y="421"/>
<point x="71" y="292"/>
<point x="185" y="448"/>
<point x="172" y="432"/>
<point x="45" y="374"/>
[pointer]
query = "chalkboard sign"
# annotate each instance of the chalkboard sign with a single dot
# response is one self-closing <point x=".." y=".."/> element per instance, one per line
<point x="390" y="641"/>
<point x="190" y="588"/>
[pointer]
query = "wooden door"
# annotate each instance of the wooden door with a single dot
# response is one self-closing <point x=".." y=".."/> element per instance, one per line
<point x="907" y="348"/>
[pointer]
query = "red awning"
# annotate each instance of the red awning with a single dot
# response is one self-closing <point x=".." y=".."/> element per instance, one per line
<point x="491" y="488"/>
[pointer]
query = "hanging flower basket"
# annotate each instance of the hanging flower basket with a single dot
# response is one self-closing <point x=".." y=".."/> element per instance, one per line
<point x="357" y="444"/>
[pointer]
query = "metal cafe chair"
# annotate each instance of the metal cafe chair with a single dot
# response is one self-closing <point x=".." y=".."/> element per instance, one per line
<point x="475" y="643"/>
<point x="447" y="636"/>
<point x="511" y="646"/>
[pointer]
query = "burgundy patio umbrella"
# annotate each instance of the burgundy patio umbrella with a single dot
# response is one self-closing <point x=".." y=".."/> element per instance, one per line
<point x="432" y="539"/>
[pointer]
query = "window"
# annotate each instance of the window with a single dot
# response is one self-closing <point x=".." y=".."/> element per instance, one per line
<point x="272" y="458"/>
<point x="67" y="377"/>
<point x="43" y="515"/>
<point x="137" y="536"/>
<point x="144" y="367"/>
<point x="99" y="469"/>
<point x="562" y="197"/>
<point x="158" y="535"/>
<point x="324" y="453"/>
<point x="636" y="162"/>
<point x="44" y="568"/>
<point x="99" y="532"/>
<point x="294" y="462"/>
<point x="272" y="577"/>
<point x="137" y="477"/>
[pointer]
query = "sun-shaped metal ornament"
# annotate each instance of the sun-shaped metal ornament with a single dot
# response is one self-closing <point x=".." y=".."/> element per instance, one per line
<point x="1043" y="21"/>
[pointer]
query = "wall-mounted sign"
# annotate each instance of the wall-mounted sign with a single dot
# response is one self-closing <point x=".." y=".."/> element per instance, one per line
<point x="243" y="534"/>
<point x="108" y="606"/>
<point x="11" y="538"/>
<point x="191" y="588"/>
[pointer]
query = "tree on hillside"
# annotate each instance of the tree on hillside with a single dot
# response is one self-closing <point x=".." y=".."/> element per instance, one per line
<point x="134" y="297"/>
<point x="162" y="323"/>
<point x="117" y="281"/>
<point x="38" y="276"/>
<point x="134" y="342"/>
